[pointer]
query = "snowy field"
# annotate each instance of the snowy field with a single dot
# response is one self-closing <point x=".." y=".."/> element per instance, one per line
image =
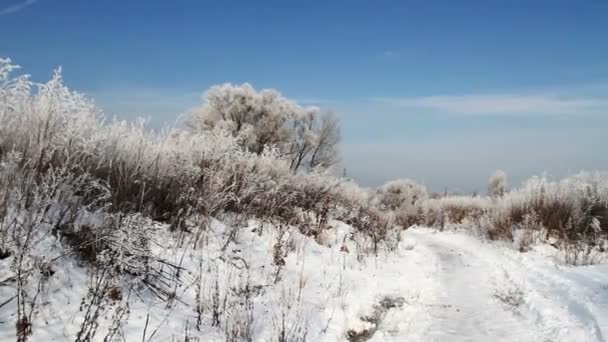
<point x="436" y="286"/>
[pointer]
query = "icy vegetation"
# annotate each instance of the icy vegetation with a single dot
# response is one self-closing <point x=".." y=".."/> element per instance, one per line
<point x="234" y="228"/>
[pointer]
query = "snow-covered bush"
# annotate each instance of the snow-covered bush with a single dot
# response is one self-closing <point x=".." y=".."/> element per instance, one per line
<point x="400" y="193"/>
<point x="497" y="186"/>
<point x="571" y="213"/>
<point x="456" y="209"/>
<point x="575" y="208"/>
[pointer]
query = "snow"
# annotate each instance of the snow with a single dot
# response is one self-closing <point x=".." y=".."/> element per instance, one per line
<point x="436" y="286"/>
<point x="492" y="292"/>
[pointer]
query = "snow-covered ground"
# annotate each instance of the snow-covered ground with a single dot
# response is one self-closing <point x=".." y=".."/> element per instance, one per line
<point x="485" y="291"/>
<point x="435" y="286"/>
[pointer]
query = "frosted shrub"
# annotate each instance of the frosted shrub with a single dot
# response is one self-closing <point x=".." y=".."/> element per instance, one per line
<point x="572" y="213"/>
<point x="401" y="200"/>
<point x="497" y="186"/>
<point x="458" y="209"/>
<point x="574" y="208"/>
<point x="401" y="192"/>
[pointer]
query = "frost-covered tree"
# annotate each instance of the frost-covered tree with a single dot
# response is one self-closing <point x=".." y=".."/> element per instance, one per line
<point x="497" y="186"/>
<point x="401" y="192"/>
<point x="302" y="137"/>
<point x="257" y="118"/>
<point x="313" y="140"/>
<point x="260" y="119"/>
<point x="325" y="153"/>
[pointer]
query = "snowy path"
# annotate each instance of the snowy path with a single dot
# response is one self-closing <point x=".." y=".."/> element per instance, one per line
<point x="484" y="292"/>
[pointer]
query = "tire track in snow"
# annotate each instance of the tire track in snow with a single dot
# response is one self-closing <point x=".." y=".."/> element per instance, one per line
<point x="551" y="282"/>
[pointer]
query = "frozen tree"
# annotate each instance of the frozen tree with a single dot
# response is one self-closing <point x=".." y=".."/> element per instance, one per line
<point x="260" y="119"/>
<point x="325" y="153"/>
<point x="257" y="118"/>
<point x="313" y="140"/>
<point x="302" y="137"/>
<point x="401" y="192"/>
<point x="498" y="184"/>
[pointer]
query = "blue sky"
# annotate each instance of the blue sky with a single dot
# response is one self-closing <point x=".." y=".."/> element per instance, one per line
<point x="441" y="91"/>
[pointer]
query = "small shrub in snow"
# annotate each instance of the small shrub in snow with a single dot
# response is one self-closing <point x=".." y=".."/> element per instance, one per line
<point x="500" y="226"/>
<point x="498" y="184"/>
<point x="400" y="193"/>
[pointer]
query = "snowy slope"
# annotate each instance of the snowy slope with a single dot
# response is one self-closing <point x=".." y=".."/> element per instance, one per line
<point x="436" y="286"/>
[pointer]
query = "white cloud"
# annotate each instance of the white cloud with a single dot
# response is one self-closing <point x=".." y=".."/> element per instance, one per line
<point x="16" y="7"/>
<point x="502" y="104"/>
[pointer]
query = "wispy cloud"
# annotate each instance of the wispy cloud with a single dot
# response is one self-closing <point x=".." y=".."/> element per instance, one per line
<point x="313" y="101"/>
<point x="160" y="105"/>
<point x="16" y="7"/>
<point x="502" y="104"/>
<point x="390" y="54"/>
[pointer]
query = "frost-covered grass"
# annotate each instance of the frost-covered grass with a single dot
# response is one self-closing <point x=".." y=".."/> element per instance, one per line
<point x="166" y="175"/>
<point x="571" y="213"/>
